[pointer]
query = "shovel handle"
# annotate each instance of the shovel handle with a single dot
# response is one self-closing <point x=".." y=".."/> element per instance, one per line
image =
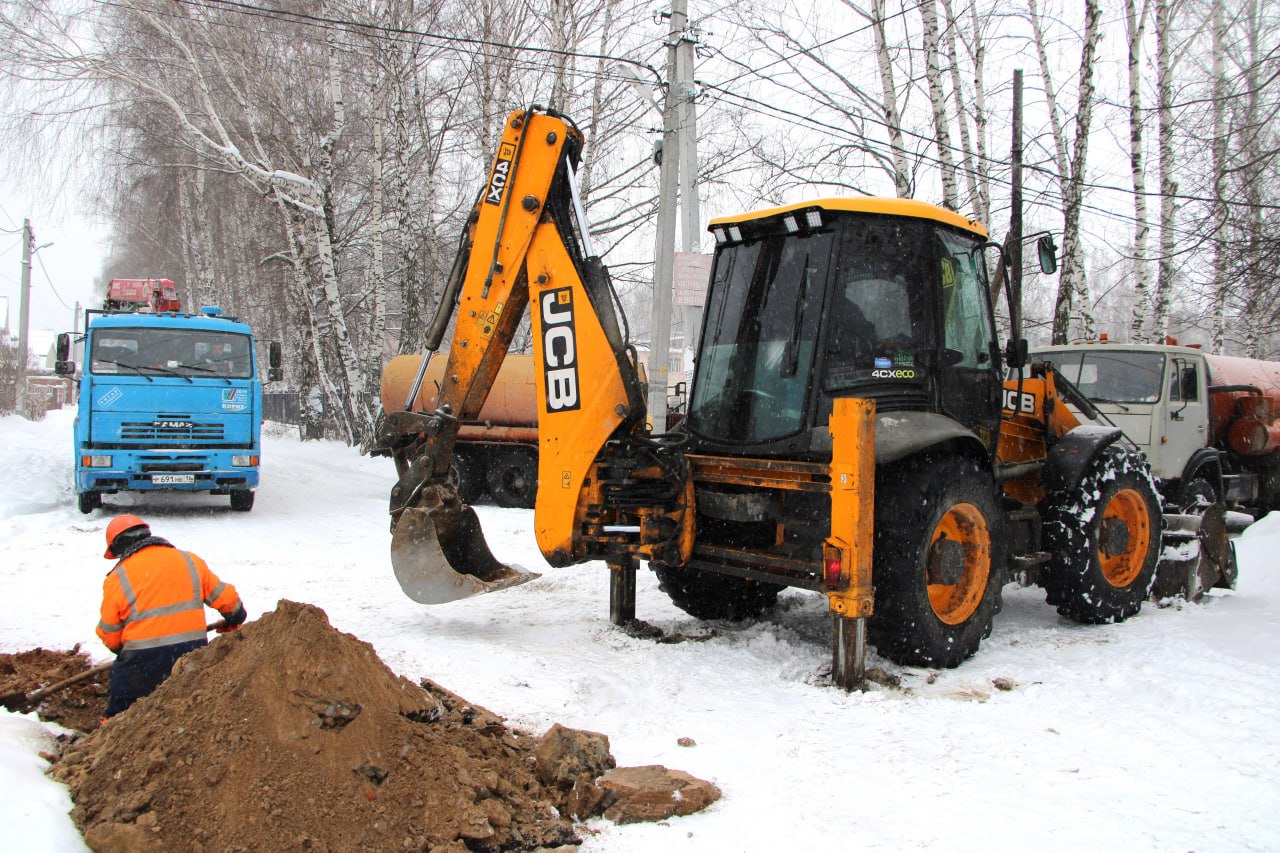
<point x="37" y="695"/>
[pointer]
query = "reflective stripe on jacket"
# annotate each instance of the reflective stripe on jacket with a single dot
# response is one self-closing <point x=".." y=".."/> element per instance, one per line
<point x="156" y="597"/>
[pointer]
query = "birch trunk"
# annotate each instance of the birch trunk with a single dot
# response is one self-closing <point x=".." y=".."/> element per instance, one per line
<point x="937" y="98"/>
<point x="977" y="55"/>
<point x="1135" y="26"/>
<point x="351" y="402"/>
<point x="1073" y="294"/>
<point x="1255" y="137"/>
<point x="1221" y="267"/>
<point x="1168" y="184"/>
<point x="380" y="226"/>
<point x="967" y="164"/>
<point x="892" y="118"/>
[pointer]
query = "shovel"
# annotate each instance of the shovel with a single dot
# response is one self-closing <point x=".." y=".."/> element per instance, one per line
<point x="22" y="702"/>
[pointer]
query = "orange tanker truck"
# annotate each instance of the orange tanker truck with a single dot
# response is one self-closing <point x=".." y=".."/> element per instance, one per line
<point x="498" y="452"/>
<point x="1207" y="423"/>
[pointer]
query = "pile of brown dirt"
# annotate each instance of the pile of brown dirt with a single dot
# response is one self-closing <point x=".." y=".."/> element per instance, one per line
<point x="291" y="735"/>
<point x="79" y="706"/>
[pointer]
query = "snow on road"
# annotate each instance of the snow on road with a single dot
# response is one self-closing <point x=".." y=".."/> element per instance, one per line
<point x="1162" y="733"/>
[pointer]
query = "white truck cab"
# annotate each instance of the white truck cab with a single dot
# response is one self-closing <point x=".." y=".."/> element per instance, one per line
<point x="1161" y="396"/>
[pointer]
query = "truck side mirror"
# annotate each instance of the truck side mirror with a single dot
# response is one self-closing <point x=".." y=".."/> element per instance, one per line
<point x="274" y="371"/>
<point x="1048" y="254"/>
<point x="63" y="365"/>
<point x="1015" y="353"/>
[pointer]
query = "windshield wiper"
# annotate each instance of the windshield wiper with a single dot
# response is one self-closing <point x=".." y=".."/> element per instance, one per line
<point x="1122" y="406"/>
<point x="203" y="369"/>
<point x="169" y="371"/>
<point x="133" y="367"/>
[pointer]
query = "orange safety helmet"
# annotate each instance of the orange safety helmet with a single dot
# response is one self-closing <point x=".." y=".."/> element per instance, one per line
<point x="121" y="524"/>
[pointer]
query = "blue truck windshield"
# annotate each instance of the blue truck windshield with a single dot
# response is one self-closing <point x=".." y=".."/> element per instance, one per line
<point x="171" y="352"/>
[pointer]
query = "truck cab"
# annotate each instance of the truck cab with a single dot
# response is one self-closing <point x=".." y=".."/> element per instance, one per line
<point x="167" y="401"/>
<point x="1161" y="396"/>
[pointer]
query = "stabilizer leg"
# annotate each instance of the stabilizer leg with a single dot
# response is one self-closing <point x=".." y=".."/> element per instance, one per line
<point x="622" y="592"/>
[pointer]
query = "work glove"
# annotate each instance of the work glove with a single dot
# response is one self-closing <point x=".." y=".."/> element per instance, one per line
<point x="232" y="621"/>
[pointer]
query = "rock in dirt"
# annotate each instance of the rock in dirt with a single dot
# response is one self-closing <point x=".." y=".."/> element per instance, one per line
<point x="289" y="734"/>
<point x="654" y="793"/>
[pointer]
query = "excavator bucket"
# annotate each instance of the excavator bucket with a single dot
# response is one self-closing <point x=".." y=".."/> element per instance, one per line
<point x="439" y="553"/>
<point x="1198" y="554"/>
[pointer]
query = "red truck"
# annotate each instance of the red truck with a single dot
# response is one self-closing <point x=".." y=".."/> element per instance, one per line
<point x="142" y="294"/>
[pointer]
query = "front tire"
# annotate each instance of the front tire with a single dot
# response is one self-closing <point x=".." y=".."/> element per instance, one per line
<point x="242" y="500"/>
<point x="1103" y="540"/>
<point x="939" y="561"/>
<point x="706" y="595"/>
<point x="89" y="501"/>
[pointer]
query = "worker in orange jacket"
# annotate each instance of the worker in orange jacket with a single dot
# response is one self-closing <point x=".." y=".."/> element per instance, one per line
<point x="153" y="604"/>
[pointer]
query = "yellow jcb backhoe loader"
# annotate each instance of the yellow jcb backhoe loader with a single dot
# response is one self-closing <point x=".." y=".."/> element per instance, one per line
<point x="849" y="430"/>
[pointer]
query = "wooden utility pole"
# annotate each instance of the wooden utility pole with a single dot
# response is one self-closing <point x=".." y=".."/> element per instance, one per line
<point x="1013" y="244"/>
<point x="24" y="312"/>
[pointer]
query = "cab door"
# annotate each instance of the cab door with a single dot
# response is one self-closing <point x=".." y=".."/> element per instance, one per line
<point x="968" y="369"/>
<point x="1186" y="422"/>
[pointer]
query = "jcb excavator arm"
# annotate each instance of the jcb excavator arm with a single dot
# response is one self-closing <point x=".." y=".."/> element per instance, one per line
<point x="526" y="244"/>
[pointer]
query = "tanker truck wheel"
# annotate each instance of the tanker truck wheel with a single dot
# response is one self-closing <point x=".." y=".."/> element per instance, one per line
<point x="938" y="561"/>
<point x="513" y="478"/>
<point x="706" y="595"/>
<point x="1103" y="540"/>
<point x="465" y="474"/>
<point x="242" y="500"/>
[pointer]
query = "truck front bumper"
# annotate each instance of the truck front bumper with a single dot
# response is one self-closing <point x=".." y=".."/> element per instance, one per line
<point x="186" y="471"/>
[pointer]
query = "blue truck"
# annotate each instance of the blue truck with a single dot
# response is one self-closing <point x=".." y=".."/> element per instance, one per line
<point x="167" y="401"/>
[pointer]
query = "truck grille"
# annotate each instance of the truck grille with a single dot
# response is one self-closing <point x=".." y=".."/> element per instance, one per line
<point x="171" y="430"/>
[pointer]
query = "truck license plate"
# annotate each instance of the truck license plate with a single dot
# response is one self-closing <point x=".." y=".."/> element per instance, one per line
<point x="172" y="479"/>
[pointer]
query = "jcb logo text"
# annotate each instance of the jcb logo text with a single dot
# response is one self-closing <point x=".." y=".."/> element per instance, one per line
<point x="559" y="350"/>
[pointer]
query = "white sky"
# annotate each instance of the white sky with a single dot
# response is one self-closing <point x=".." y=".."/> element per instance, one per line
<point x="61" y="273"/>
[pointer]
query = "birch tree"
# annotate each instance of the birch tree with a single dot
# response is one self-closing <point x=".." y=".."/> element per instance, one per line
<point x="1168" y="179"/>
<point x="937" y="98"/>
<point x="1073" y="294"/>
<point x="1135" y="26"/>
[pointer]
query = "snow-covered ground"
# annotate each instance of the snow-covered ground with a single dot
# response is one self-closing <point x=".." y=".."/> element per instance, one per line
<point x="1162" y="733"/>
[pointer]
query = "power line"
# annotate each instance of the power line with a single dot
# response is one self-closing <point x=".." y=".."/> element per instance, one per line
<point x="47" y="278"/>
<point x="382" y="31"/>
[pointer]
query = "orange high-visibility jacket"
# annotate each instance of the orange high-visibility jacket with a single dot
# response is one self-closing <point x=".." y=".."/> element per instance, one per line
<point x="156" y="597"/>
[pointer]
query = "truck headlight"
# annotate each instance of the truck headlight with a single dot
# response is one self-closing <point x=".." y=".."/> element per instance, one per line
<point x="95" y="461"/>
<point x="244" y="461"/>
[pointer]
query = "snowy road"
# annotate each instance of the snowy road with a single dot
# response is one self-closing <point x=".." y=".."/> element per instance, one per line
<point x="1162" y="733"/>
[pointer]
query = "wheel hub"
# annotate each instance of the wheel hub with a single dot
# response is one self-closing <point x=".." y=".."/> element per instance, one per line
<point x="1113" y="537"/>
<point x="946" y="562"/>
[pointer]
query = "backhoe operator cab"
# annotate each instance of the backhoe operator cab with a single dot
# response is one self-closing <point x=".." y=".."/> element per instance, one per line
<point x="882" y="299"/>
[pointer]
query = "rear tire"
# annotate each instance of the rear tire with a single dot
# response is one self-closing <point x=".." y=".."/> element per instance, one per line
<point x="242" y="500"/>
<point x="513" y="478"/>
<point x="1103" y="540"/>
<point x="89" y="501"/>
<point x="939" y="561"/>
<point x="706" y="595"/>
